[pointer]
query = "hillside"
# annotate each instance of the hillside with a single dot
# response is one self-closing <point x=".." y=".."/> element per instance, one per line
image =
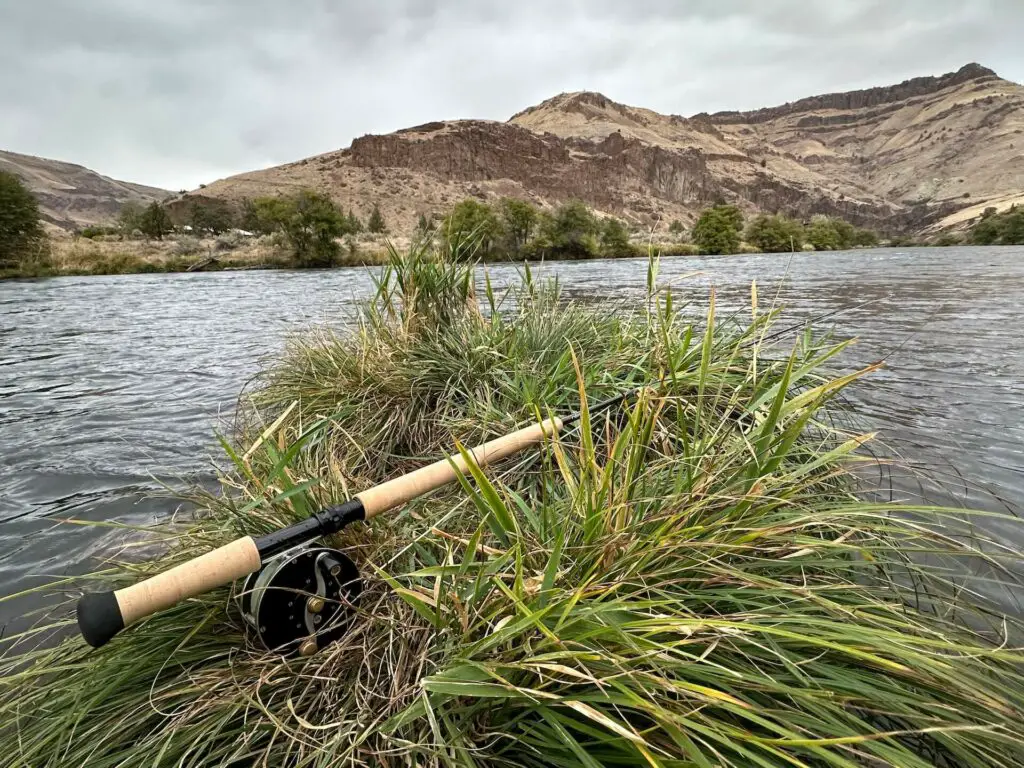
<point x="898" y="158"/>
<point x="72" y="196"/>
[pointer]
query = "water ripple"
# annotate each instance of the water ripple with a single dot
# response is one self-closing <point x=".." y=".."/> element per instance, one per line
<point x="105" y="381"/>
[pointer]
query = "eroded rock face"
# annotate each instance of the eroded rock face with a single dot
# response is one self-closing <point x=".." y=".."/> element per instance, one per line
<point x="894" y="158"/>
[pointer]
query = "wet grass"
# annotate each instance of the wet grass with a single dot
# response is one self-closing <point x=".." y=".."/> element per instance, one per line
<point x="689" y="580"/>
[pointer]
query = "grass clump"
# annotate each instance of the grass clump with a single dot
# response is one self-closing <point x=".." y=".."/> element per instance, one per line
<point x="690" y="580"/>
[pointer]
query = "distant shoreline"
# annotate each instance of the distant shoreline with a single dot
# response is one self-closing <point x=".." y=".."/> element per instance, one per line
<point x="81" y="257"/>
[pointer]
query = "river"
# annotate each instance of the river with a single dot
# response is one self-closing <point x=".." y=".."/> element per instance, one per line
<point x="110" y="386"/>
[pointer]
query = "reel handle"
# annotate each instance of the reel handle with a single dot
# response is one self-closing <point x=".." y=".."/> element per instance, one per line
<point x="394" y="493"/>
<point x="101" y="615"/>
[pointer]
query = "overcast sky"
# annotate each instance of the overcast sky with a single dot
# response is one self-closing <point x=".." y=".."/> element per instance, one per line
<point x="178" y="92"/>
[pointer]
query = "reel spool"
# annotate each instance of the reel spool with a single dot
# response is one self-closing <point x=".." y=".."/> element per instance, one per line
<point x="302" y="599"/>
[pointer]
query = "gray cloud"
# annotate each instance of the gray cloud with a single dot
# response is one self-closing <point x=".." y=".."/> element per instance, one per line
<point x="186" y="91"/>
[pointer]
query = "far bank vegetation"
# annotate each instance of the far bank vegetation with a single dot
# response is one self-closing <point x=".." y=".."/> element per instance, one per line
<point x="310" y="230"/>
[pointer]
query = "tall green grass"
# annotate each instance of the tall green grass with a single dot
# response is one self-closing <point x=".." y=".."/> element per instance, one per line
<point x="688" y="580"/>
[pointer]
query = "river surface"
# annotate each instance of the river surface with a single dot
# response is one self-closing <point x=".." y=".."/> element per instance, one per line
<point x="111" y="386"/>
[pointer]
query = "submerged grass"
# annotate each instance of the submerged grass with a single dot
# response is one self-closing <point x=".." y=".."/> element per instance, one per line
<point x="689" y="580"/>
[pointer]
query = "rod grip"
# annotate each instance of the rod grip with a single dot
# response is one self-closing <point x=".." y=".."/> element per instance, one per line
<point x="102" y="615"/>
<point x="402" y="489"/>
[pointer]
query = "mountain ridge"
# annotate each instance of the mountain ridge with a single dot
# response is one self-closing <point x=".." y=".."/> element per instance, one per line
<point x="71" y="195"/>
<point x="901" y="158"/>
<point x="898" y="158"/>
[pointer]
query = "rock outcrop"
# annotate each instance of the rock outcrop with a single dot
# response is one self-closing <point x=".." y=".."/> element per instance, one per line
<point x="898" y="158"/>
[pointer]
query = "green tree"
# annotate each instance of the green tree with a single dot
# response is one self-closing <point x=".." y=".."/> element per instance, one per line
<point x="376" y="222"/>
<point x="775" y="234"/>
<point x="210" y="216"/>
<point x="865" y="237"/>
<point x="676" y="228"/>
<point x="129" y="218"/>
<point x="572" y="230"/>
<point x="615" y="238"/>
<point x="473" y="227"/>
<point x="717" y="231"/>
<point x="520" y="220"/>
<point x="265" y="215"/>
<point x="845" y="233"/>
<point x="1013" y="228"/>
<point x="822" y="234"/>
<point x="353" y="224"/>
<point x="1005" y="228"/>
<point x="312" y="225"/>
<point x="827" y="233"/>
<point x="22" y="239"/>
<point x="155" y="221"/>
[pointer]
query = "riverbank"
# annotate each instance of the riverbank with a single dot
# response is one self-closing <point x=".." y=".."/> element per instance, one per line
<point x="719" y="593"/>
<point x="70" y="256"/>
<point x="81" y="256"/>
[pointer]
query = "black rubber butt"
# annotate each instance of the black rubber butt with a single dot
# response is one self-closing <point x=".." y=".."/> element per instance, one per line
<point x="99" y="618"/>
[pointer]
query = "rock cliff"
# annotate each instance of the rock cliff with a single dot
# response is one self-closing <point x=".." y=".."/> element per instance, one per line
<point x="898" y="158"/>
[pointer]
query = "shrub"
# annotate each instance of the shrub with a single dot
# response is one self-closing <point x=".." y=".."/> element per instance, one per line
<point x="826" y="233"/>
<point x="688" y="579"/>
<point x="675" y="249"/>
<point x="717" y="231"/>
<point x="129" y="218"/>
<point x="209" y="215"/>
<point x="615" y="238"/>
<point x="309" y="221"/>
<point x="376" y="223"/>
<point x="865" y="237"/>
<point x="155" y="222"/>
<point x="947" y="239"/>
<point x="95" y="231"/>
<point x="312" y="224"/>
<point x="265" y="215"/>
<point x="23" y="244"/>
<point x="186" y="245"/>
<point x="775" y="234"/>
<point x="476" y="223"/>
<point x="676" y="228"/>
<point x="229" y="241"/>
<point x="352" y="223"/>
<point x="519" y="218"/>
<point x="570" y="232"/>
<point x="1005" y="228"/>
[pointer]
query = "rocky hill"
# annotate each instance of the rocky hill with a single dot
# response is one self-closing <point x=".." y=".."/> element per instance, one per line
<point x="928" y="153"/>
<point x="71" y="196"/>
<point x="924" y="153"/>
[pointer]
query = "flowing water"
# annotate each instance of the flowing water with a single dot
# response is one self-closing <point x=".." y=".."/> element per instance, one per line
<point x="111" y="386"/>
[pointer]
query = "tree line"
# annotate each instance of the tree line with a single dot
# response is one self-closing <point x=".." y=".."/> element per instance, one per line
<point x="721" y="229"/>
<point x="517" y="229"/>
<point x="312" y="225"/>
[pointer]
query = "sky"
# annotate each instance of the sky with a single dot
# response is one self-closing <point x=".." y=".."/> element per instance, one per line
<point x="181" y="92"/>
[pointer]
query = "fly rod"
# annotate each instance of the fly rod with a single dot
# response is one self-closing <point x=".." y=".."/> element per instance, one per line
<point x="290" y="600"/>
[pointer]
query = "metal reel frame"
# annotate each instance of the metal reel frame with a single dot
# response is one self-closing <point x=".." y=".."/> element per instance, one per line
<point x="302" y="599"/>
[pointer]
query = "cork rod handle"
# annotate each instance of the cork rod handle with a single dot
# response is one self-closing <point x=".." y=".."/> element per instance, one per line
<point x="102" y="615"/>
<point x="402" y="489"/>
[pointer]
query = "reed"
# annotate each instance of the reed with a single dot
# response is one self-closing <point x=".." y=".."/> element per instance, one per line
<point x="689" y="580"/>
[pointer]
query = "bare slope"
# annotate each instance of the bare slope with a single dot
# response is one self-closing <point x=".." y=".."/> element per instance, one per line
<point x="72" y="196"/>
<point x="897" y="158"/>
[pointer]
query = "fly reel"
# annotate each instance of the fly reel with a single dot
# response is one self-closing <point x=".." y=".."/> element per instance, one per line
<point x="302" y="599"/>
